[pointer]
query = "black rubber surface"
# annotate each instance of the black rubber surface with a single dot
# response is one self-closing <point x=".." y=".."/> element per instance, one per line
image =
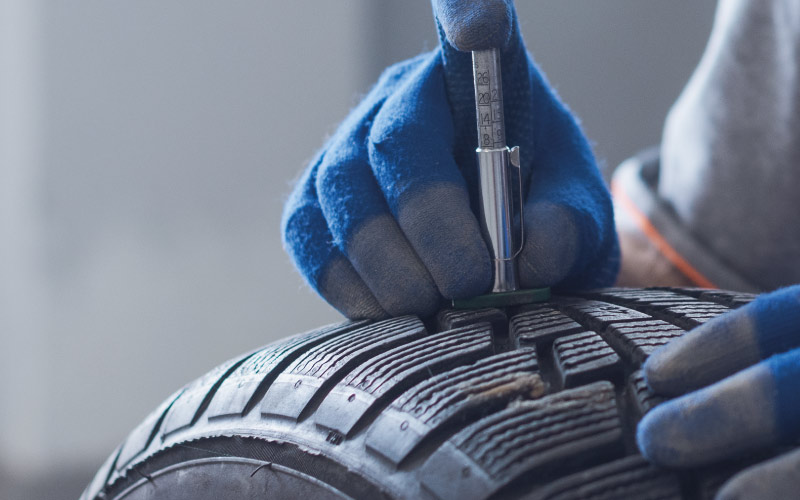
<point x="537" y="402"/>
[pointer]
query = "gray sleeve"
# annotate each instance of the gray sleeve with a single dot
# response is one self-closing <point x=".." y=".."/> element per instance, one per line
<point x="730" y="156"/>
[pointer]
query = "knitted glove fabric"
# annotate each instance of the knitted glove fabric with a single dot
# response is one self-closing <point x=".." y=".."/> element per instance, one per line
<point x="383" y="221"/>
<point x="741" y="372"/>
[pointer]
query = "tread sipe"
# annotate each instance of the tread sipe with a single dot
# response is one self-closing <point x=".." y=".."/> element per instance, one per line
<point x="534" y="402"/>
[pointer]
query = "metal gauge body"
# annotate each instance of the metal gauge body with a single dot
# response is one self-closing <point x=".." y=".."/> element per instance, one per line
<point x="494" y="162"/>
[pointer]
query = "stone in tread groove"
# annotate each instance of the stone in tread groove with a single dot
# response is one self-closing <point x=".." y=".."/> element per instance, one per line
<point x="575" y="427"/>
<point x="256" y="372"/>
<point x="453" y="396"/>
<point x="328" y="362"/>
<point x="627" y="478"/>
<point x="399" y="367"/>
<point x="584" y="357"/>
<point x="541" y="325"/>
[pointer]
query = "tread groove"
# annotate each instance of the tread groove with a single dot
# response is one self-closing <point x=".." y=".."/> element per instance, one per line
<point x="437" y="408"/>
<point x="372" y="386"/>
<point x="289" y="357"/>
<point x="144" y="435"/>
<point x="113" y="468"/>
<point x="214" y="388"/>
<point x="678" y="309"/>
<point x="303" y="386"/>
<point x="161" y="419"/>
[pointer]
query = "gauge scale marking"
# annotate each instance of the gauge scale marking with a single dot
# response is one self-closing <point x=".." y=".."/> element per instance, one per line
<point x="489" y="99"/>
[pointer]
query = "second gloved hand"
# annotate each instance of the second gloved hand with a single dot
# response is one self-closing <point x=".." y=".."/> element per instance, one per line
<point x="382" y="222"/>
<point x="736" y="403"/>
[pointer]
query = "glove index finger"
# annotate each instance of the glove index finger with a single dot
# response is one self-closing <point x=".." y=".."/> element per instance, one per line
<point x="411" y="154"/>
<point x="755" y="408"/>
<point x="768" y="325"/>
<point x="308" y="241"/>
<point x="730" y="417"/>
<point x="703" y="356"/>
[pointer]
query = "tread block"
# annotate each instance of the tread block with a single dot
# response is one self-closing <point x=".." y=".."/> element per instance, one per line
<point x="536" y="439"/>
<point x="692" y="291"/>
<point x="635" y="341"/>
<point x="141" y="437"/>
<point x="398" y="368"/>
<point x="729" y="299"/>
<point x="253" y="377"/>
<point x="597" y="315"/>
<point x="540" y="326"/>
<point x="680" y="309"/>
<point x="585" y="357"/>
<point x="450" y="319"/>
<point x="183" y="411"/>
<point x="453" y="397"/>
<point x="724" y="297"/>
<point x="690" y="316"/>
<point x="328" y="362"/>
<point x="629" y="477"/>
<point x="660" y="296"/>
<point x="641" y="396"/>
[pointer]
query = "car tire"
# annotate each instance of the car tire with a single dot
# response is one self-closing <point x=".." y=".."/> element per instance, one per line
<point x="539" y="402"/>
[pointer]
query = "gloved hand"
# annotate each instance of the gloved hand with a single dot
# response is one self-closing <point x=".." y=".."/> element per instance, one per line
<point x="736" y="402"/>
<point x="382" y="221"/>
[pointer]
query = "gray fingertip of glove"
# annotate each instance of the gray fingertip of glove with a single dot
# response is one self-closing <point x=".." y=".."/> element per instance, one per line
<point x="551" y="244"/>
<point x="476" y="24"/>
<point x="445" y="234"/>
<point x="391" y="269"/>
<point x="775" y="478"/>
<point x="703" y="356"/>
<point x="718" y="421"/>
<point x="341" y="286"/>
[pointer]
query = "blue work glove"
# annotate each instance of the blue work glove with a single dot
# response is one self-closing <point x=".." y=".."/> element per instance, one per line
<point x="742" y="375"/>
<point x="383" y="221"/>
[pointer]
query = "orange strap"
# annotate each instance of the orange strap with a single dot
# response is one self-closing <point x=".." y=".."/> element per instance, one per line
<point x="659" y="241"/>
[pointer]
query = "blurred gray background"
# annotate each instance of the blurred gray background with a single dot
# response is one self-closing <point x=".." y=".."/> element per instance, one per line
<point x="146" y="149"/>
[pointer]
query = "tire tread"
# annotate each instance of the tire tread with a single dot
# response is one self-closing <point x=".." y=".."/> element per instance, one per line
<point x="537" y="402"/>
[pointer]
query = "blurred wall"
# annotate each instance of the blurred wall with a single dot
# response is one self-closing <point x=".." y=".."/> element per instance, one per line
<point x="146" y="149"/>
